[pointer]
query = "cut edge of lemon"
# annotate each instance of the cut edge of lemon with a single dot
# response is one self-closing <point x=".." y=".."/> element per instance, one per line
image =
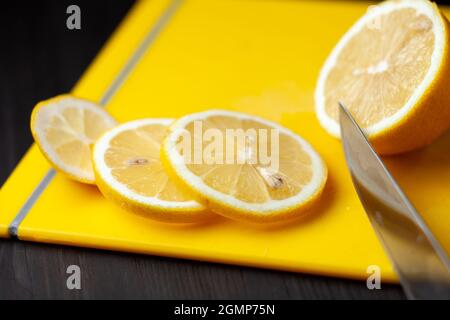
<point x="40" y="116"/>
<point x="424" y="7"/>
<point x="163" y="210"/>
<point x="227" y="205"/>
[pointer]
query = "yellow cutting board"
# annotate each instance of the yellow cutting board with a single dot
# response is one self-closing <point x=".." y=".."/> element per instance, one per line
<point x="170" y="58"/>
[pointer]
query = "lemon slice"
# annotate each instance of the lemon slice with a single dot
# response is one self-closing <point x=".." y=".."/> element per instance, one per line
<point x="129" y="171"/>
<point x="392" y="71"/>
<point x="236" y="180"/>
<point x="64" y="127"/>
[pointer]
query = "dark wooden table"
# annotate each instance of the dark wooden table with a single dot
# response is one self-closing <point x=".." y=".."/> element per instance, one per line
<point x="40" y="58"/>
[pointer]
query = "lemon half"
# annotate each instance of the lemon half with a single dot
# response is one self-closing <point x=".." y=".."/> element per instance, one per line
<point x="392" y="71"/>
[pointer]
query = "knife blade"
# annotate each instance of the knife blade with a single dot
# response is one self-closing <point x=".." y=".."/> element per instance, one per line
<point x="420" y="261"/>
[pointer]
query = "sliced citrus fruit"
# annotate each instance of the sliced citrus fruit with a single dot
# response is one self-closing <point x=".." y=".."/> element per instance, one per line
<point x="252" y="170"/>
<point x="128" y="171"/>
<point x="392" y="71"/>
<point x="64" y="128"/>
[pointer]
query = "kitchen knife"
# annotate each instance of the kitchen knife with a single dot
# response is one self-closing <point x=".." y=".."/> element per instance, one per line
<point x="420" y="261"/>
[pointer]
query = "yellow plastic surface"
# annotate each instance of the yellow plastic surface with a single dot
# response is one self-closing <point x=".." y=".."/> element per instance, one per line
<point x="260" y="57"/>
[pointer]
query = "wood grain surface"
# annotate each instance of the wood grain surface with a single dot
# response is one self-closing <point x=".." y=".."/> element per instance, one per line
<point x="40" y="58"/>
